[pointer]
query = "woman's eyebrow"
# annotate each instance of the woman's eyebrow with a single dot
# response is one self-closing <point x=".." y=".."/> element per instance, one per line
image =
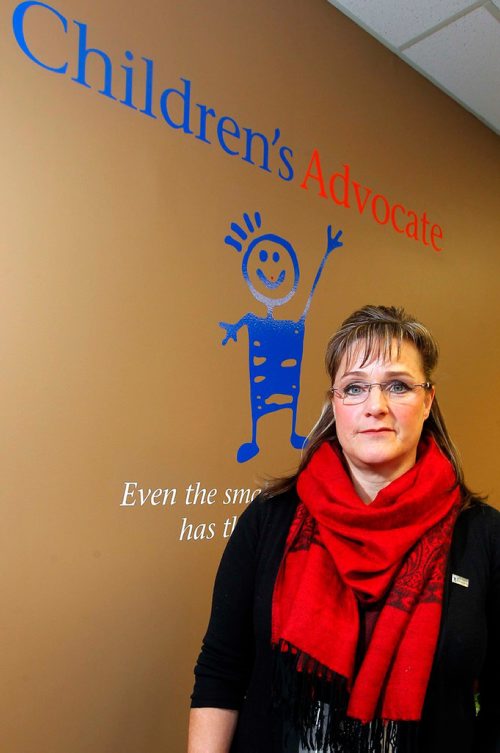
<point x="389" y="372"/>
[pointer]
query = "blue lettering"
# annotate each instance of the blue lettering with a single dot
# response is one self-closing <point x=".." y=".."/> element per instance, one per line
<point x="234" y="131"/>
<point x="251" y="135"/>
<point x="204" y="111"/>
<point x="186" y="100"/>
<point x="148" y="96"/>
<point x="18" y="27"/>
<point x="174" y="103"/>
<point x="83" y="53"/>
<point x="129" y="82"/>
<point x="286" y="162"/>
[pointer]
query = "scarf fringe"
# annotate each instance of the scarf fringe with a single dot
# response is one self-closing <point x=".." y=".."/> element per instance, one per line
<point x="314" y="700"/>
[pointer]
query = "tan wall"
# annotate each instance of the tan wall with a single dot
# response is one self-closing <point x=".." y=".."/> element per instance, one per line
<point x="115" y="276"/>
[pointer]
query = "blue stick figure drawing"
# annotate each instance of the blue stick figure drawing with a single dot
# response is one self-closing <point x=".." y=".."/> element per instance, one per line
<point x="271" y="270"/>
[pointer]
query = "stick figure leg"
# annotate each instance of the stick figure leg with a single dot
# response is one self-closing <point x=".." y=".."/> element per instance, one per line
<point x="249" y="450"/>
<point x="296" y="440"/>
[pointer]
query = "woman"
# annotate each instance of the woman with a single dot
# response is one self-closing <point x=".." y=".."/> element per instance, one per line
<point x="357" y="603"/>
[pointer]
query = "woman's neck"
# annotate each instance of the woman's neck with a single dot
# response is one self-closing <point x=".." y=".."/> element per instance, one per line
<point x="368" y="481"/>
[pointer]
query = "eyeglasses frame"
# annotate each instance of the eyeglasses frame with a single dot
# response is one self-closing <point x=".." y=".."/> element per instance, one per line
<point x="383" y="388"/>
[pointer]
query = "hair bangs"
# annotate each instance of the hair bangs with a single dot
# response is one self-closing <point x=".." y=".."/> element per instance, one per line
<point x="368" y="342"/>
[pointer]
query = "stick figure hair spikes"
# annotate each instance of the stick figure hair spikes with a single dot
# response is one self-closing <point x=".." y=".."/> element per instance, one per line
<point x="241" y="232"/>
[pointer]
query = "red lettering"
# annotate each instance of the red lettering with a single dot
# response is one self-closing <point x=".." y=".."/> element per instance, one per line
<point x="361" y="206"/>
<point x="387" y="209"/>
<point x="436" y="231"/>
<point x="413" y="225"/>
<point x="344" y="178"/>
<point x="315" y="161"/>
<point x="425" y="222"/>
<point x="403" y="220"/>
<point x="393" y="217"/>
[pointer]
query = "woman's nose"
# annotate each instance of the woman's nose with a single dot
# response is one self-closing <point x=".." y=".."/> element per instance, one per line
<point x="377" y="400"/>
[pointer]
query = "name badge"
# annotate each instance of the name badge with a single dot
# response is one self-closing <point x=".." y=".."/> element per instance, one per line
<point x="460" y="581"/>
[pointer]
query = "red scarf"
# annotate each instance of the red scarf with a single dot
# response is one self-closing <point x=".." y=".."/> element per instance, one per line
<point x="341" y="552"/>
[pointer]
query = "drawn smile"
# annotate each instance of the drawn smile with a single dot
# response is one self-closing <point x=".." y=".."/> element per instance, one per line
<point x="269" y="283"/>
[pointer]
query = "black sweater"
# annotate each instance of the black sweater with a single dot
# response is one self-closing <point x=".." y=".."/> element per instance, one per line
<point x="235" y="665"/>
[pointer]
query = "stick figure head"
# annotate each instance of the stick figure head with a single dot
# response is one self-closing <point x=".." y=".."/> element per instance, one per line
<point x="270" y="266"/>
<point x="271" y="269"/>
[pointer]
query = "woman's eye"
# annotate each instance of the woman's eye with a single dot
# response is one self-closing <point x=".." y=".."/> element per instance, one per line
<point x="355" y="389"/>
<point x="398" y="388"/>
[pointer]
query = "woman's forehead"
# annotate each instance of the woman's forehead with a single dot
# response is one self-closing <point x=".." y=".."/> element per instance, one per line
<point x="362" y="354"/>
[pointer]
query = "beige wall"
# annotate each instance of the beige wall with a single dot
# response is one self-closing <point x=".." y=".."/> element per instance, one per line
<point x="115" y="276"/>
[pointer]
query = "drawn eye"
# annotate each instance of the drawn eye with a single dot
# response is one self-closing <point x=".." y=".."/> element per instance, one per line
<point x="263" y="255"/>
<point x="355" y="388"/>
<point x="276" y="256"/>
<point x="398" y="388"/>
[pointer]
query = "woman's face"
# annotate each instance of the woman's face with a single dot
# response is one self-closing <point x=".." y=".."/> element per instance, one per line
<point x="381" y="435"/>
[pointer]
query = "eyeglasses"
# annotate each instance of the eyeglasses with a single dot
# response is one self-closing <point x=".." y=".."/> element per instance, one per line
<point x="396" y="391"/>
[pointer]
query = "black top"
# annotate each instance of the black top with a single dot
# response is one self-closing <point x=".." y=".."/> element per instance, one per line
<point x="234" y="669"/>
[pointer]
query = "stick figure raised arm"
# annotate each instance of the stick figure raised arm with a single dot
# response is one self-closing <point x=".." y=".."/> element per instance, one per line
<point x="232" y="329"/>
<point x="332" y="242"/>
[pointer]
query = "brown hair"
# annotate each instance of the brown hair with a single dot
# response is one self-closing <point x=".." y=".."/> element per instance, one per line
<point x="375" y="329"/>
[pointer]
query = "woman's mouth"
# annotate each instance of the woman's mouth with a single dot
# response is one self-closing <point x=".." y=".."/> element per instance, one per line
<point x="376" y="431"/>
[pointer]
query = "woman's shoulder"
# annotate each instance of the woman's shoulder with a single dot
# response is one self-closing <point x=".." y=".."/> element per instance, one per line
<point x="263" y="526"/>
<point x="482" y="515"/>
<point x="275" y="510"/>
<point x="479" y="525"/>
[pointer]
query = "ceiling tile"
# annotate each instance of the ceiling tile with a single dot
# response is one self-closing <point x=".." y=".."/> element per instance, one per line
<point x="398" y="21"/>
<point x="464" y="57"/>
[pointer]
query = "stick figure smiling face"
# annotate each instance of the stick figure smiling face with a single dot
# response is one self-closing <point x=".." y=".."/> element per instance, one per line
<point x="271" y="269"/>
